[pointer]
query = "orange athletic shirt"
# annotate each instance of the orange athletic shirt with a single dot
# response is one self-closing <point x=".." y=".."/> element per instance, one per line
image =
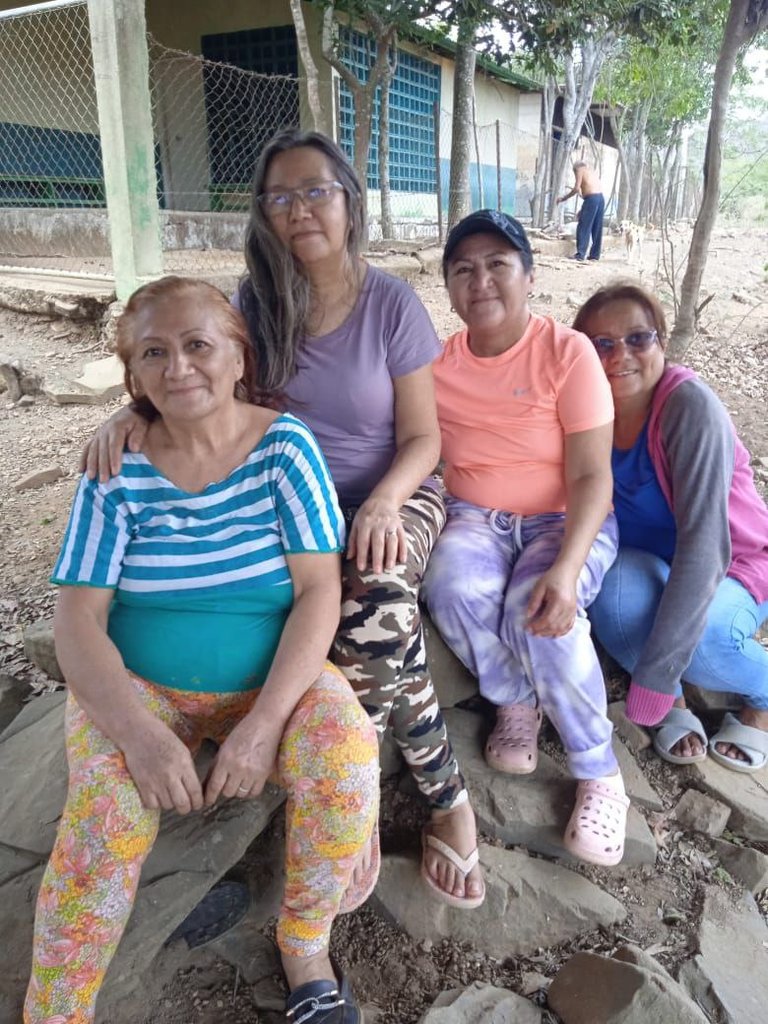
<point x="504" y="419"/>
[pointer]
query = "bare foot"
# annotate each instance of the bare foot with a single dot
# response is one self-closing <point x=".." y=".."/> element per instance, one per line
<point x="302" y="969"/>
<point x="457" y="829"/>
<point x="690" y="745"/>
<point x="747" y="716"/>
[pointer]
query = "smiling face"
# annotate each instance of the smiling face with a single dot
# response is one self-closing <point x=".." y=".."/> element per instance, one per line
<point x="312" y="233"/>
<point x="183" y="359"/>
<point x="488" y="287"/>
<point x="632" y="374"/>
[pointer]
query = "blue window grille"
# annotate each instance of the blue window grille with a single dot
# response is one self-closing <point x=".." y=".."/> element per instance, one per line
<point x="244" y="112"/>
<point x="414" y="91"/>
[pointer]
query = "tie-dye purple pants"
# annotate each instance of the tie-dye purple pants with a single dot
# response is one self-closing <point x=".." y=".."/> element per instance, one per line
<point x="477" y="586"/>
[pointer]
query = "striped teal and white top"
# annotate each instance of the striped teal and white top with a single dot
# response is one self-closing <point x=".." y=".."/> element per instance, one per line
<point x="202" y="586"/>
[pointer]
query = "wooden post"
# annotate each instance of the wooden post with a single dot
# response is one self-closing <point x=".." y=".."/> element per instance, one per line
<point x="438" y="175"/>
<point x="498" y="165"/>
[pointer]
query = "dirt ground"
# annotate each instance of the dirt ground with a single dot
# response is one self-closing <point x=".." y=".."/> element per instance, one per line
<point x="388" y="970"/>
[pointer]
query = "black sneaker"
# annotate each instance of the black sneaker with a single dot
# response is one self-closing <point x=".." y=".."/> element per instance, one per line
<point x="323" y="1002"/>
<point x="575" y="257"/>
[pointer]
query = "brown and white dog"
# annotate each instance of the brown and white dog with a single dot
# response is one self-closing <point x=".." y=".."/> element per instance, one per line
<point x="633" y="235"/>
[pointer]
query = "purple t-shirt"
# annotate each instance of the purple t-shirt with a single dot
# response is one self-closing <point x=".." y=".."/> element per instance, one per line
<point x="343" y="387"/>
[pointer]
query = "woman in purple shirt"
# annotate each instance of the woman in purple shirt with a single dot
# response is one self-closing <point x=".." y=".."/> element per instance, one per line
<point x="349" y="349"/>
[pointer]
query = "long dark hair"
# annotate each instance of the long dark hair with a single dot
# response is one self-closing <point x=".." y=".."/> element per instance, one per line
<point x="275" y="294"/>
<point x="246" y="389"/>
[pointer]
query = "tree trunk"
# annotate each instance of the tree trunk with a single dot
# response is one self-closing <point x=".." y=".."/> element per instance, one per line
<point x="544" y="163"/>
<point x="459" y="204"/>
<point x="745" y="19"/>
<point x="362" y="93"/>
<point x="618" y="127"/>
<point x="639" y="125"/>
<point x="579" y="88"/>
<point x="387" y="227"/>
<point x="318" y="123"/>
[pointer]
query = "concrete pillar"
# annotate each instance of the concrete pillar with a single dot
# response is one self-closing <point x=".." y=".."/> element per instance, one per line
<point x="121" y="68"/>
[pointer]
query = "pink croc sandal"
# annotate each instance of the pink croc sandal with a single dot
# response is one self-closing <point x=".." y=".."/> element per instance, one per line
<point x="512" y="747"/>
<point x="358" y="892"/>
<point x="598" y="824"/>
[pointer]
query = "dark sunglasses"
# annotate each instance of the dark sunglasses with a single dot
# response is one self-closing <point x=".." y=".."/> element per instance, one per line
<point x="637" y="341"/>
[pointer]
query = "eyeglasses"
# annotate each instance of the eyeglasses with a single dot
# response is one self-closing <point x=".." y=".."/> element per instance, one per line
<point x="637" y="341"/>
<point x="276" y="203"/>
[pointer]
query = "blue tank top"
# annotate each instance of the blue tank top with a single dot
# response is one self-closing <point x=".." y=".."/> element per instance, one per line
<point x="643" y="513"/>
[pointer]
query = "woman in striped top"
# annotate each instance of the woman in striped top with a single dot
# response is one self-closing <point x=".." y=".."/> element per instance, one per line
<point x="199" y="597"/>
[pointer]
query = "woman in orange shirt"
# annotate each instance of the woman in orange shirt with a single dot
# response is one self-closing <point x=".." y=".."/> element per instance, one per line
<point x="526" y="422"/>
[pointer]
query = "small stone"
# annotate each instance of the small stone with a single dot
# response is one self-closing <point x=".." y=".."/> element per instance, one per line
<point x="742" y="297"/>
<point x="572" y="300"/>
<point x="746" y="795"/>
<point x="672" y="916"/>
<point x="698" y="812"/>
<point x="533" y="981"/>
<point x="39" y="478"/>
<point x="481" y="1004"/>
<point x="748" y="866"/>
<point x="25" y="402"/>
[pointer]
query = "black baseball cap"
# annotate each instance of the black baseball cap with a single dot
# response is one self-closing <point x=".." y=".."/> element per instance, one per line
<point x="488" y="220"/>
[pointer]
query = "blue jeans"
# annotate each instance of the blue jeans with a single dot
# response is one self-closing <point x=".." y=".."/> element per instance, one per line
<point x="478" y="582"/>
<point x="726" y="657"/>
<point x="590" y="225"/>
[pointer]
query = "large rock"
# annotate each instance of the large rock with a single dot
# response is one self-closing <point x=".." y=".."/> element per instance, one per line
<point x="40" y="649"/>
<point x="12" y="695"/>
<point x="746" y="795"/>
<point x="481" y="1004"/>
<point x="529" y="810"/>
<point x="452" y="681"/>
<point x="729" y="976"/>
<point x="529" y="902"/>
<point x="190" y="855"/>
<point x="592" y="989"/>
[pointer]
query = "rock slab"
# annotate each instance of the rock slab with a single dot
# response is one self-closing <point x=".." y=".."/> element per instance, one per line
<point x="729" y="976"/>
<point x="529" y="810"/>
<point x="529" y="903"/>
<point x="12" y="694"/>
<point x="190" y="855"/>
<point x="592" y="989"/>
<point x="481" y="1004"/>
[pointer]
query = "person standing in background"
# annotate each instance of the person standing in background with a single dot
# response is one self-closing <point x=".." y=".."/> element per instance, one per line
<point x="590" y="225"/>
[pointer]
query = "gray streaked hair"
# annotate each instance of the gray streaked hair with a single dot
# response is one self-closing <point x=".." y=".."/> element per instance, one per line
<point x="275" y="293"/>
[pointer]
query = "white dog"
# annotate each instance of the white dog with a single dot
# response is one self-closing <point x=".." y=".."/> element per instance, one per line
<point x="633" y="238"/>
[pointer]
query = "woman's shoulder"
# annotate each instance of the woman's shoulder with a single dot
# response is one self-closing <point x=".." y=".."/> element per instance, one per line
<point x="388" y="288"/>
<point x="691" y="396"/>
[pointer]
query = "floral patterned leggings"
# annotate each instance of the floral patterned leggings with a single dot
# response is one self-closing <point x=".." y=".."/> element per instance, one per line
<point x="328" y="763"/>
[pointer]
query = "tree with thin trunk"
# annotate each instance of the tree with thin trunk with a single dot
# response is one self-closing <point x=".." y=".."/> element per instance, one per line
<point x="387" y="222"/>
<point x="746" y="18"/>
<point x="318" y="122"/>
<point x="459" y="201"/>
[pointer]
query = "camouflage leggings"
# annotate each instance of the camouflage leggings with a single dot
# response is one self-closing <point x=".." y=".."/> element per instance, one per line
<point x="380" y="649"/>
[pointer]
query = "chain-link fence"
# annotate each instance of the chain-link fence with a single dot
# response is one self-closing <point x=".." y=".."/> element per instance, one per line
<point x="210" y="121"/>
<point x="50" y="151"/>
